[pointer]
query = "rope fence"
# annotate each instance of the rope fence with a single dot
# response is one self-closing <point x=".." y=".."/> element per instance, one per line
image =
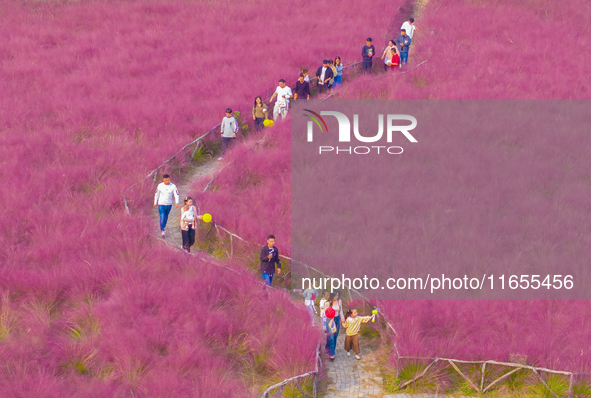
<point x="296" y="380"/>
<point x="452" y="362"/>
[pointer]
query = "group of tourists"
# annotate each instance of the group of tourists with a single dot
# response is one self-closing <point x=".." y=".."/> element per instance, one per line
<point x="166" y="193"/>
<point x="333" y="317"/>
<point x="396" y="53"/>
<point x="330" y="305"/>
<point x="328" y="77"/>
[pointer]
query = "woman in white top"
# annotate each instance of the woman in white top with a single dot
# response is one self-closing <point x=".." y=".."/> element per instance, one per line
<point x="189" y="217"/>
<point x="337" y="306"/>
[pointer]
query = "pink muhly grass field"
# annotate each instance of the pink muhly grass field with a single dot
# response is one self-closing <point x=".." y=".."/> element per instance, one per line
<point x="551" y="334"/>
<point x="252" y="195"/>
<point x="493" y="49"/>
<point x="94" y="96"/>
<point x="504" y="50"/>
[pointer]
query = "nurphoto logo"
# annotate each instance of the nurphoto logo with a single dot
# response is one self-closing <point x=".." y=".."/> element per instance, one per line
<point x="345" y="132"/>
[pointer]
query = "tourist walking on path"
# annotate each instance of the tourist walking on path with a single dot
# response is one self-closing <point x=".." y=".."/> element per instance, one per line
<point x="409" y="27"/>
<point x="367" y="52"/>
<point x="189" y="218"/>
<point x="387" y="55"/>
<point x="331" y="333"/>
<point x="334" y="73"/>
<point x="339" y="68"/>
<point x="269" y="257"/>
<point x="228" y="131"/>
<point x="259" y="113"/>
<point x="403" y="41"/>
<point x="302" y="89"/>
<point x="283" y="94"/>
<point x="324" y="74"/>
<point x="352" y="325"/>
<point x="306" y="75"/>
<point x="165" y="191"/>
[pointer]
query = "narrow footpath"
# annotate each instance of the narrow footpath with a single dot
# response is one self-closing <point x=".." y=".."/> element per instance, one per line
<point x="173" y="229"/>
<point x="352" y="378"/>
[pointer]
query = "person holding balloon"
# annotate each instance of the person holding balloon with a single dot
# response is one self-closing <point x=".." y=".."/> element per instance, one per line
<point x="259" y="113"/>
<point x="189" y="217"/>
<point x="337" y="305"/>
<point x="352" y="325"/>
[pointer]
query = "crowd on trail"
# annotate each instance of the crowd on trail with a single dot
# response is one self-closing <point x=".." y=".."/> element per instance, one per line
<point x="333" y="317"/>
<point x="330" y="305"/>
<point x="328" y="77"/>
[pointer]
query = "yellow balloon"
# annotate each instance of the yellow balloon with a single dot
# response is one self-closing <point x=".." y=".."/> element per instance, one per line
<point x="268" y="123"/>
<point x="207" y="217"/>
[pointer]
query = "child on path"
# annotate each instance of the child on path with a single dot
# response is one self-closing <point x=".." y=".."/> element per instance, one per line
<point x="163" y="200"/>
<point x="323" y="305"/>
<point x="189" y="217"/>
<point x="352" y="324"/>
<point x="309" y="297"/>
<point x="367" y="52"/>
<point x="228" y="131"/>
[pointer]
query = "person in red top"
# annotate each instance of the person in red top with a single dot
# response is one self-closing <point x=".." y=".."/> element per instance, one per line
<point x="395" y="61"/>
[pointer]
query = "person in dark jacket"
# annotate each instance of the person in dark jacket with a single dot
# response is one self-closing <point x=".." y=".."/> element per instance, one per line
<point x="302" y="89"/>
<point x="324" y="75"/>
<point x="269" y="257"/>
<point x="403" y="41"/>
<point x="367" y="52"/>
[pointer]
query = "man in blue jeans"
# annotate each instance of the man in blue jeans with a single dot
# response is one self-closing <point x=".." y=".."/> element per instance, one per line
<point x="403" y="41"/>
<point x="269" y="257"/>
<point x="163" y="200"/>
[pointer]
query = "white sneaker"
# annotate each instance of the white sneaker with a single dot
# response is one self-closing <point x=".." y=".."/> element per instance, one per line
<point x="348" y="354"/>
<point x="163" y="234"/>
<point x="357" y="357"/>
<point x="219" y="158"/>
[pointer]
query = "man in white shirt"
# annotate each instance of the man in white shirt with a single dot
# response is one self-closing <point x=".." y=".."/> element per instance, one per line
<point x="283" y="94"/>
<point x="410" y="27"/>
<point x="163" y="200"/>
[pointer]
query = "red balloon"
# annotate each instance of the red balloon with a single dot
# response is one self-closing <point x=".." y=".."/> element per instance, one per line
<point x="330" y="313"/>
